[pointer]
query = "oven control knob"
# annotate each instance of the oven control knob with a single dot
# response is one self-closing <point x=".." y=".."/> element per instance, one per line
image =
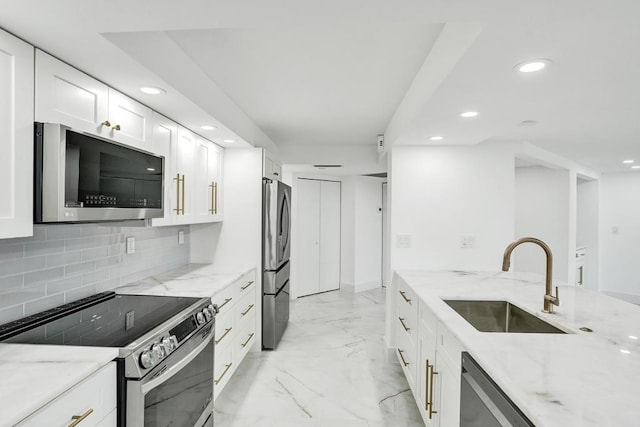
<point x="158" y="351"/>
<point x="208" y="314"/>
<point x="168" y="345"/>
<point x="200" y="318"/>
<point x="214" y="308"/>
<point x="146" y="361"/>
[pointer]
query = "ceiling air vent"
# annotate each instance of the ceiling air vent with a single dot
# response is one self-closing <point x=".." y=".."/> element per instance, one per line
<point x="327" y="166"/>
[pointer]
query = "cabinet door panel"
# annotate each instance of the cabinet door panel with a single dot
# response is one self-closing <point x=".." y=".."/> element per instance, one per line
<point x="67" y="95"/>
<point x="308" y="194"/>
<point x="202" y="193"/>
<point x="329" y="235"/>
<point x="16" y="137"/>
<point x="185" y="159"/>
<point x="164" y="141"/>
<point x="130" y="121"/>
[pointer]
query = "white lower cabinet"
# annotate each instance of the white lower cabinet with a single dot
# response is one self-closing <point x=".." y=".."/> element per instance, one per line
<point x="90" y="403"/>
<point x="431" y="359"/>
<point x="236" y="328"/>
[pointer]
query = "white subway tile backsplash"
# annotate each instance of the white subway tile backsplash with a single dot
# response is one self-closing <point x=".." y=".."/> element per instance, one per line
<point x="62" y="263"/>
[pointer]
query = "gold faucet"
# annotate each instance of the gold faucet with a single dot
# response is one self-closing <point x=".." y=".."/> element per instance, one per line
<point x="549" y="299"/>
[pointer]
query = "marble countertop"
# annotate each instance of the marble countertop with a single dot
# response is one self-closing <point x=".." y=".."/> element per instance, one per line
<point x="33" y="375"/>
<point x="579" y="378"/>
<point x="192" y="280"/>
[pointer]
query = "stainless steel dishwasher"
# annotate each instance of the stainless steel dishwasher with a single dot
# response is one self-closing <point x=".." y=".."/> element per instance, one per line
<point x="483" y="403"/>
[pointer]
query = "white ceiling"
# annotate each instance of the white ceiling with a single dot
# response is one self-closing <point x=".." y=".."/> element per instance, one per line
<point x="292" y="73"/>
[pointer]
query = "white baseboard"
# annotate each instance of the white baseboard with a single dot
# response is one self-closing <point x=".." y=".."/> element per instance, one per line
<point x="361" y="287"/>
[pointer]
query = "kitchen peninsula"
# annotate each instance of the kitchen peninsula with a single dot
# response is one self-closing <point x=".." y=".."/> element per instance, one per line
<point x="577" y="378"/>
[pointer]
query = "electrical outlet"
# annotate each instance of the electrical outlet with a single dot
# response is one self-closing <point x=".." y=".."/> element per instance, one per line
<point x="181" y="237"/>
<point x="468" y="242"/>
<point x="403" y="240"/>
<point x="131" y="245"/>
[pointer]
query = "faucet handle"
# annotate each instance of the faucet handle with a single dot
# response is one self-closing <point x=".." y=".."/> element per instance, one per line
<point x="557" y="297"/>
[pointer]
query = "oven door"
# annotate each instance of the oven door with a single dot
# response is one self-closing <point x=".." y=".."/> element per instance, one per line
<point x="179" y="391"/>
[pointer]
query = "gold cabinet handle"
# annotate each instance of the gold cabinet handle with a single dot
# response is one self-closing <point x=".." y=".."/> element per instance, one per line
<point x="226" y="301"/>
<point x="426" y="386"/>
<point x="433" y="372"/>
<point x="244" y="344"/>
<point x="401" y="319"/>
<point x="404" y="362"/>
<point x="179" y="186"/>
<point x="226" y="368"/>
<point x="77" y="419"/>
<point x="106" y="123"/>
<point x="276" y="174"/>
<point x="242" y="288"/>
<point x="183" y="194"/>
<point x="226" y="331"/>
<point x="248" y="310"/>
<point x="116" y="127"/>
<point x="405" y="297"/>
<point x="213" y="196"/>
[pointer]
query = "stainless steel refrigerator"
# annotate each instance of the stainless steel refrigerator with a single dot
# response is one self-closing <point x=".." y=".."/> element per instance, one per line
<point x="276" y="247"/>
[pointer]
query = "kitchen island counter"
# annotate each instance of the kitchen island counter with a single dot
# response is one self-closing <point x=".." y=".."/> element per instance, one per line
<point x="579" y="378"/>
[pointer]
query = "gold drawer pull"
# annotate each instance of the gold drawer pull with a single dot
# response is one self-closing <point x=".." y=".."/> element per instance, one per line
<point x="401" y="319"/>
<point x="179" y="179"/>
<point x="226" y="331"/>
<point x="106" y="123"/>
<point x="248" y="310"/>
<point x="226" y="368"/>
<point x="246" y="286"/>
<point x="404" y="362"/>
<point x="433" y="372"/>
<point x="244" y="344"/>
<point x="79" y="418"/>
<point x="226" y="301"/>
<point x="116" y="127"/>
<point x="405" y="297"/>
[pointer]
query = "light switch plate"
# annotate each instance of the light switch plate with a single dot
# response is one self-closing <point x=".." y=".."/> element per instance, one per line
<point x="181" y="237"/>
<point x="131" y="245"/>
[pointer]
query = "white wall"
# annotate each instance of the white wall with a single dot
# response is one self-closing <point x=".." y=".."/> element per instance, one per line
<point x="542" y="211"/>
<point x="439" y="194"/>
<point x="620" y="250"/>
<point x="587" y="229"/>
<point x="362" y="233"/>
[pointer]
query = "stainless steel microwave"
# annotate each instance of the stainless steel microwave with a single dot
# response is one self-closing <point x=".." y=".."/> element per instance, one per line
<point x="81" y="177"/>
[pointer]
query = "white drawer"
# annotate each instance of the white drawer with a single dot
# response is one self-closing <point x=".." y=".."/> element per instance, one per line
<point x="223" y="368"/>
<point x="408" y="320"/>
<point x="225" y="299"/>
<point x="245" y="340"/>
<point x="247" y="283"/>
<point x="94" y="397"/>
<point x="245" y="309"/>
<point x="407" y="296"/>
<point x="224" y="330"/>
<point x="407" y="354"/>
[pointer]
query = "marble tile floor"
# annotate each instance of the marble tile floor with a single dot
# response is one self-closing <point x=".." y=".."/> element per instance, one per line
<point x="331" y="368"/>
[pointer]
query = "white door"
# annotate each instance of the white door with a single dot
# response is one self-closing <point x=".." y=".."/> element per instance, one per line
<point x="329" y="236"/>
<point x="16" y="137"/>
<point x="67" y="95"/>
<point x="308" y="195"/>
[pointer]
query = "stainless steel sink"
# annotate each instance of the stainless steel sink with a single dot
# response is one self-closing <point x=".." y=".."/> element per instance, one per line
<point x="500" y="316"/>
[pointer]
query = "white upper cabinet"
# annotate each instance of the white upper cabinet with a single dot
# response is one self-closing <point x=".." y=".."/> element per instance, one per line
<point x="271" y="167"/>
<point x="208" y="181"/>
<point x="16" y="137"/>
<point x="164" y="143"/>
<point x="69" y="96"/>
<point x="131" y="122"/>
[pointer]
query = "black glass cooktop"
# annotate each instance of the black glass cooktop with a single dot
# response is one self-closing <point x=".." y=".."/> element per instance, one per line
<point x="113" y="321"/>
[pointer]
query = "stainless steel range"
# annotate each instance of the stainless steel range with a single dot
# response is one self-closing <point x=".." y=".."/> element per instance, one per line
<point x="165" y="359"/>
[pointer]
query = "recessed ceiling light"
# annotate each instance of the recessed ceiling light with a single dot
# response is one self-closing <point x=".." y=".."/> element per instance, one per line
<point x="627" y="161"/>
<point x="633" y="337"/>
<point x="150" y="90"/>
<point x="469" y="114"/>
<point x="208" y="127"/>
<point x="437" y="138"/>
<point x="528" y="123"/>
<point x="532" y="66"/>
<point x="625" y="351"/>
<point x="635" y="167"/>
<point x="230" y="141"/>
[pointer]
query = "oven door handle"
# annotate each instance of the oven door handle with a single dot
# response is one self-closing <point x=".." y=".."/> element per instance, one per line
<point x="174" y="369"/>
